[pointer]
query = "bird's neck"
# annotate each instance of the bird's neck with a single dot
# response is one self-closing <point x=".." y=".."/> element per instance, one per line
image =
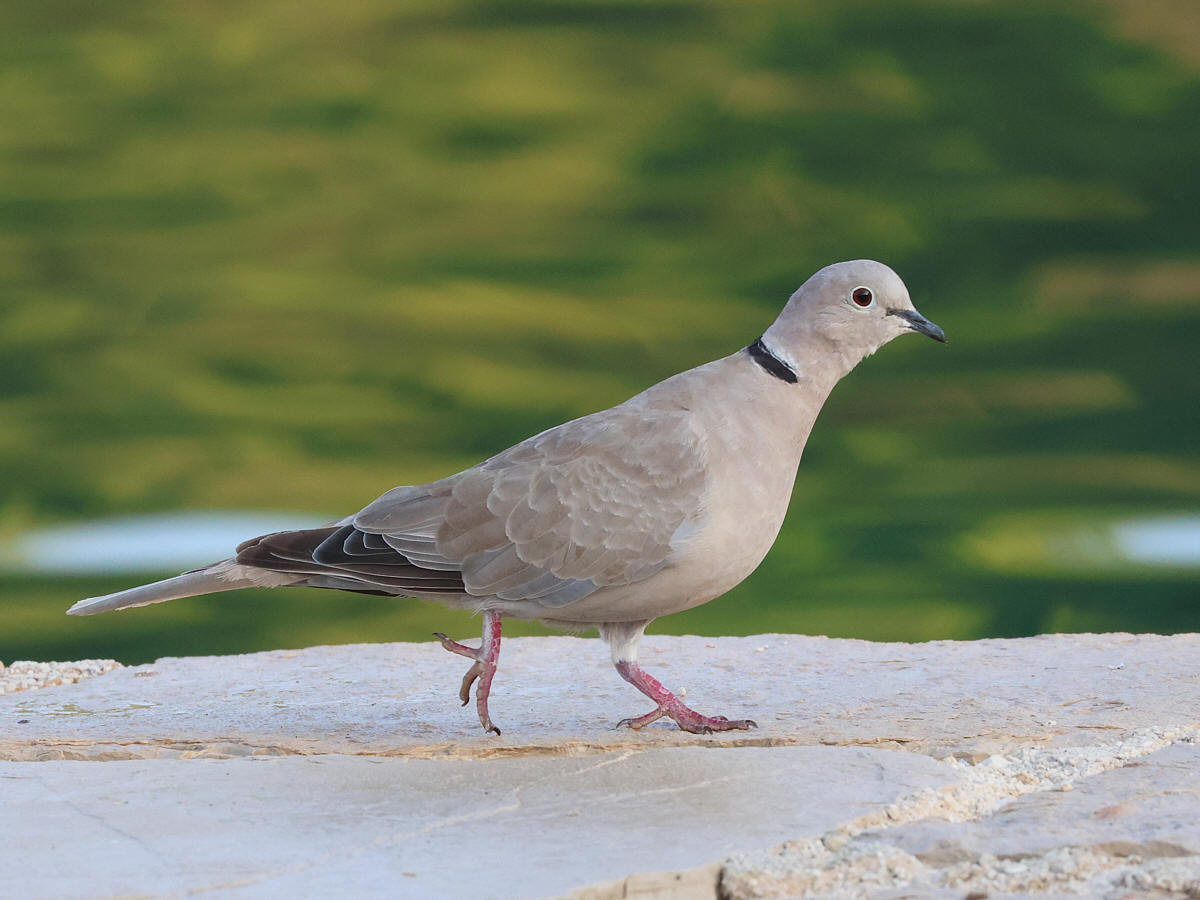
<point x="817" y="360"/>
<point x="753" y="400"/>
<point x="809" y="370"/>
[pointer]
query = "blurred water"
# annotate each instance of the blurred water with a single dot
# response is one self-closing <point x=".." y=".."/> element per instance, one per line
<point x="163" y="542"/>
<point x="154" y="543"/>
<point x="1167" y="541"/>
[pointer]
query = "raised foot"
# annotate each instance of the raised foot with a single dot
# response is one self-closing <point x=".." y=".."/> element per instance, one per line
<point x="689" y="720"/>
<point x="483" y="669"/>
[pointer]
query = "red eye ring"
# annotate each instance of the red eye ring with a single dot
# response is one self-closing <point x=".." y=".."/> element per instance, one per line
<point x="862" y="297"/>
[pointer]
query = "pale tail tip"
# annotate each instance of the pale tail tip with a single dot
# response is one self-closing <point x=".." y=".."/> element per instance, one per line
<point x="82" y="607"/>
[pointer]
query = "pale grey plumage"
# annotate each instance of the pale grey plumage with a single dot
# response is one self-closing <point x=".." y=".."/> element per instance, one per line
<point x="560" y="515"/>
<point x="613" y="519"/>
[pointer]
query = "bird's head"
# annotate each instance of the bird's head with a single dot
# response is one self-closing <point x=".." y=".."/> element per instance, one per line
<point x="850" y="308"/>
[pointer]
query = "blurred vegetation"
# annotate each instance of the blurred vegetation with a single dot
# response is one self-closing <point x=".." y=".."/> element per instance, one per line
<point x="287" y="255"/>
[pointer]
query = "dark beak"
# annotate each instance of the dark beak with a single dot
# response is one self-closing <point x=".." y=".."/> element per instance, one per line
<point x="917" y="322"/>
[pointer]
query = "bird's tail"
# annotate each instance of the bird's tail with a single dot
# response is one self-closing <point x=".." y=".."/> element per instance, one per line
<point x="222" y="576"/>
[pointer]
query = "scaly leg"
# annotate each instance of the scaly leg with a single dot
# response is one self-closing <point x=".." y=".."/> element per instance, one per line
<point x="623" y="637"/>
<point x="670" y="705"/>
<point x="483" y="669"/>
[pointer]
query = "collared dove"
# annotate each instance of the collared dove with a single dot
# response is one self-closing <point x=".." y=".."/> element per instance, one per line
<point x="611" y="520"/>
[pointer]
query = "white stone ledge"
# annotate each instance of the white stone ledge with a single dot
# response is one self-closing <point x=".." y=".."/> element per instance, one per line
<point x="934" y="769"/>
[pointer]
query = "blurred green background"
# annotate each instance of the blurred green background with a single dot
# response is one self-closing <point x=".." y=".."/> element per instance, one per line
<point x="285" y="255"/>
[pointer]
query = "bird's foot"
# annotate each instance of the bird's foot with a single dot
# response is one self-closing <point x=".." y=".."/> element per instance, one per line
<point x="689" y="720"/>
<point x="670" y="705"/>
<point x="483" y="670"/>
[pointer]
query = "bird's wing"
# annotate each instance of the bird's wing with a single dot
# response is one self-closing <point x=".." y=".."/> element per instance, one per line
<point x="600" y="501"/>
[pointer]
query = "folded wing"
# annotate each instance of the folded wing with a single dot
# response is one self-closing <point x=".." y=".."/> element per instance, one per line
<point x="599" y="501"/>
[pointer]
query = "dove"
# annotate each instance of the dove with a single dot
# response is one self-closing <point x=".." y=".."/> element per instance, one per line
<point x="608" y="521"/>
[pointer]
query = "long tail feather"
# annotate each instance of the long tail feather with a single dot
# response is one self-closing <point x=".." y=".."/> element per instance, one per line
<point x="222" y="576"/>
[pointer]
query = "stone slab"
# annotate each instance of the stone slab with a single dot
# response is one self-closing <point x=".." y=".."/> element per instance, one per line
<point x="338" y="826"/>
<point x="353" y="771"/>
<point x="561" y="695"/>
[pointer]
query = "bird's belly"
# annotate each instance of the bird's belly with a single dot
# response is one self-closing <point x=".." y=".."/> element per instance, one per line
<point x="718" y="559"/>
<point x="674" y="589"/>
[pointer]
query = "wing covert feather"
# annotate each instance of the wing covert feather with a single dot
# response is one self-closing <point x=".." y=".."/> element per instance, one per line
<point x="592" y="503"/>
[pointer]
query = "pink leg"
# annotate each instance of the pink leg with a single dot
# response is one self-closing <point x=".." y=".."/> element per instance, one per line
<point x="670" y="705"/>
<point x="484" y="668"/>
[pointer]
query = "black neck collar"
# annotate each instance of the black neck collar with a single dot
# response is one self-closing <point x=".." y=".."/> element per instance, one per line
<point x="762" y="355"/>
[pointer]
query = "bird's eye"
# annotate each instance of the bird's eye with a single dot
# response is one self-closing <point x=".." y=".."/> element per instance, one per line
<point x="862" y="297"/>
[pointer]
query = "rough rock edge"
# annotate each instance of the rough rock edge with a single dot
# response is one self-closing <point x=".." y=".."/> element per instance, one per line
<point x="837" y="866"/>
<point x="50" y="750"/>
<point x="234" y="747"/>
<point x="26" y="675"/>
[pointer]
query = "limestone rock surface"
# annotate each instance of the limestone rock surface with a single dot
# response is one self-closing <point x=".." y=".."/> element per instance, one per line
<point x="1050" y="766"/>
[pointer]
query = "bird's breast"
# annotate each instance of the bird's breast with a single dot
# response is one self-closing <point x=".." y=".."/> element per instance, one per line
<point x="752" y="468"/>
<point x="752" y="432"/>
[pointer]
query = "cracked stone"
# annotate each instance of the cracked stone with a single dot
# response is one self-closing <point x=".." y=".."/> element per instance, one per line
<point x="1130" y="825"/>
<point x="1031" y="767"/>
